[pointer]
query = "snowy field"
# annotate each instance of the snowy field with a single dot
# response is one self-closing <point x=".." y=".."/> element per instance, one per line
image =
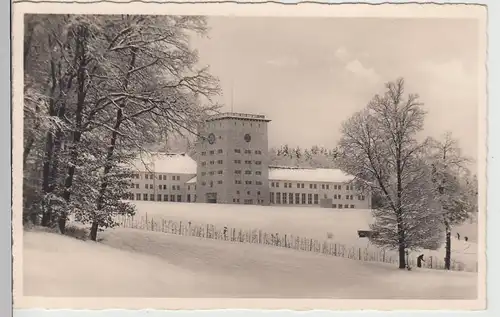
<point x="138" y="263"/>
<point x="339" y="226"/>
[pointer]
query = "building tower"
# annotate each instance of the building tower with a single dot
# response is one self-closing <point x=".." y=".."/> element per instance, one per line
<point x="233" y="160"/>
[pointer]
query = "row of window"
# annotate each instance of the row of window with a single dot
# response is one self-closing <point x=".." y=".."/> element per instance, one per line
<point x="159" y="197"/>
<point x="248" y="172"/>
<point x="219" y="172"/>
<point x="247" y="182"/>
<point x="212" y="152"/>
<point x="220" y="151"/>
<point x="160" y="187"/>
<point x="294" y="198"/>
<point x="159" y="176"/>
<point x="313" y="186"/>
<point x="248" y="192"/>
<point x="248" y="201"/>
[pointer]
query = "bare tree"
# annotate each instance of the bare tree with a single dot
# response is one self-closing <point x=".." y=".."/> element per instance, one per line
<point x="453" y="186"/>
<point x="379" y="146"/>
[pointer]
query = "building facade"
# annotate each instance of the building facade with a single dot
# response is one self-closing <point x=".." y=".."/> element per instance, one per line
<point x="233" y="160"/>
<point x="233" y="168"/>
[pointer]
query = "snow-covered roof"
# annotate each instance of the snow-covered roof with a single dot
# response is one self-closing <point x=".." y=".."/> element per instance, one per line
<point x="191" y="181"/>
<point x="308" y="175"/>
<point x="169" y="163"/>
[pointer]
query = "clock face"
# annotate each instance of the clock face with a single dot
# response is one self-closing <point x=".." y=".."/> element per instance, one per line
<point x="248" y="137"/>
<point x="211" y="138"/>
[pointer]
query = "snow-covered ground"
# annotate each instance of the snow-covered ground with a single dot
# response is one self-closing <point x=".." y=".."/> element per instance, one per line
<point x="315" y="223"/>
<point x="138" y="263"/>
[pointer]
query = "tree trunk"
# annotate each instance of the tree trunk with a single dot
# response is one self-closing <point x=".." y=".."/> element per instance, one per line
<point x="111" y="148"/>
<point x="77" y="132"/>
<point x="447" y="258"/>
<point x="93" y="231"/>
<point x="49" y="147"/>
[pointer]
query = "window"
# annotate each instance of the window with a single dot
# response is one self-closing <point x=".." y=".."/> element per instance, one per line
<point x="203" y="183"/>
<point x="248" y="182"/>
<point x="203" y="173"/>
<point x="315" y="186"/>
<point x="178" y="178"/>
<point x="219" y="182"/>
<point x="346" y="206"/>
<point x="203" y="153"/>
<point x="247" y="172"/>
<point x="327" y="186"/>
<point x="211" y="183"/>
<point x="248" y="151"/>
<point x="258" y="162"/>
<point x="340" y="206"/>
<point x="322" y="186"/>
<point x="159" y="187"/>
<point x="203" y="163"/>
<point x="351" y="197"/>
<point x="347" y="197"/>
<point x="248" y="202"/>
<point x="298" y="185"/>
<point x="237" y="151"/>
<point x="237" y="161"/>
<point x="237" y="171"/>
<point x="150" y="186"/>
<point x="272" y="198"/>
<point x="219" y="162"/>
<point x="258" y="193"/>
<point x="297" y="199"/>
<point x="174" y="187"/>
<point x="272" y="184"/>
<point x="339" y="187"/>
<point x="248" y="162"/>
<point x="286" y="185"/>
<point x="278" y="198"/>
<point x="211" y="173"/>
<point x="179" y="198"/>
<point x="309" y="199"/>
<point x="310" y="186"/>
<point x="212" y="152"/>
<point x="289" y="185"/>
<point x="258" y="152"/>
<point x="258" y="183"/>
<point x="136" y="185"/>
<point x="173" y="178"/>
<point x="361" y="197"/>
<point x="284" y="198"/>
<point x="159" y="197"/>
<point x="138" y="196"/>
<point x="352" y="206"/>
<point x="152" y="197"/>
<point x="146" y="176"/>
<point x="316" y="199"/>
<point x="258" y="173"/>
<point x="303" y="199"/>
<point x="237" y="182"/>
<point x="334" y="205"/>
<point x="212" y="162"/>
<point x="219" y="172"/>
<point x="219" y="151"/>
<point x="278" y="185"/>
<point x="164" y="187"/>
<point x="165" y="197"/>
<point x="302" y="185"/>
<point x="172" y="197"/>
<point x="144" y="196"/>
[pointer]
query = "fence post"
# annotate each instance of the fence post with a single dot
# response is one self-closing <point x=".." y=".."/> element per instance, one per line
<point x="285" y="241"/>
<point x="152" y="224"/>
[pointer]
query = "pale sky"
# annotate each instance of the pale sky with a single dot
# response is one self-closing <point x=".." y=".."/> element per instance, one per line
<point x="310" y="74"/>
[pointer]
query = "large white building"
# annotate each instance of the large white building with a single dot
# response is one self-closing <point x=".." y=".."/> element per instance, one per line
<point x="233" y="168"/>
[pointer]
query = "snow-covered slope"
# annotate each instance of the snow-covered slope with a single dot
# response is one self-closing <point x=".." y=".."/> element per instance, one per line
<point x="137" y="263"/>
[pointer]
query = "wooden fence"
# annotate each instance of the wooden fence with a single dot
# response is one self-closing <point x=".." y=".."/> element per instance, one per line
<point x="257" y="236"/>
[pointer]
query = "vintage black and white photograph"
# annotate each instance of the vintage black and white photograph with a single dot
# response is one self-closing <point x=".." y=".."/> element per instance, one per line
<point x="230" y="156"/>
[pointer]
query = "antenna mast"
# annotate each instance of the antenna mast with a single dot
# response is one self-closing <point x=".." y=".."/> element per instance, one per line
<point x="232" y="94"/>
